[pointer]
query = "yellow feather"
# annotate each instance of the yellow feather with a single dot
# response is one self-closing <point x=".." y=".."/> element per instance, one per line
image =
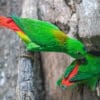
<point x="60" y="36"/>
<point x="24" y="37"/>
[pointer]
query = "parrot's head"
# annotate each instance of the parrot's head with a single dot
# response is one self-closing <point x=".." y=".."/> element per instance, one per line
<point x="75" y="48"/>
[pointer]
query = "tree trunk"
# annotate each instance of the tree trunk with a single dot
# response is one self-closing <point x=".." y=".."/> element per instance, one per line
<point x="9" y="52"/>
<point x="37" y="78"/>
<point x="30" y="78"/>
<point x="30" y="85"/>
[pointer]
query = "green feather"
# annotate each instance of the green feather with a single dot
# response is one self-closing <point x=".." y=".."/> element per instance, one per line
<point x="88" y="72"/>
<point x="92" y="83"/>
<point x="48" y="37"/>
<point x="81" y="76"/>
<point x="40" y="32"/>
<point x="69" y="69"/>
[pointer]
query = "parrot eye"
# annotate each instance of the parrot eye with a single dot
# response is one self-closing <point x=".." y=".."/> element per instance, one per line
<point x="84" y="48"/>
<point x="78" y="53"/>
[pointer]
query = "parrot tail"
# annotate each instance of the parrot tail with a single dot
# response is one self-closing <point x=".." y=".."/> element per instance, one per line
<point x="66" y="81"/>
<point x="8" y="23"/>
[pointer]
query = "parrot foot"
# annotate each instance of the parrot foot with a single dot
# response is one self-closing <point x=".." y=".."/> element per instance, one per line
<point x="29" y="56"/>
<point x="32" y="46"/>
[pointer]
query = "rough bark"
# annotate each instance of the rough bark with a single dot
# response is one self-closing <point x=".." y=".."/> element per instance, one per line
<point x="77" y="18"/>
<point x="30" y="86"/>
<point x="9" y="53"/>
<point x="89" y="22"/>
<point x="30" y="78"/>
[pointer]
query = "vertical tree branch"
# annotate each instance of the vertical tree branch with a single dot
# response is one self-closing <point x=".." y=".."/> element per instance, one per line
<point x="30" y="78"/>
<point x="30" y="83"/>
<point x="25" y="80"/>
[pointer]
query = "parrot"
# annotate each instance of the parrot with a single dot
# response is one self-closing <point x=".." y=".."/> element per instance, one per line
<point x="43" y="36"/>
<point x="84" y="71"/>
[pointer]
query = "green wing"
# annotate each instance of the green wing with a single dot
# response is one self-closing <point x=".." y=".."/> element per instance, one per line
<point x="89" y="72"/>
<point x="80" y="76"/>
<point x="41" y="33"/>
<point x="92" y="83"/>
<point x="91" y="66"/>
<point x="69" y="68"/>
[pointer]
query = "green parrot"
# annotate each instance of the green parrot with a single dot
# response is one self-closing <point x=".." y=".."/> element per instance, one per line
<point x="43" y="36"/>
<point x="82" y="71"/>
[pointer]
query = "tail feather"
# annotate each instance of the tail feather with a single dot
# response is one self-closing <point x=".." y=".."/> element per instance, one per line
<point x="8" y="23"/>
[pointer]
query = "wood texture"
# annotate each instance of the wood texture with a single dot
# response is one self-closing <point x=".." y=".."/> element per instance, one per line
<point x="30" y="83"/>
<point x="89" y="22"/>
<point x="37" y="78"/>
<point x="30" y="76"/>
<point x="9" y="52"/>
